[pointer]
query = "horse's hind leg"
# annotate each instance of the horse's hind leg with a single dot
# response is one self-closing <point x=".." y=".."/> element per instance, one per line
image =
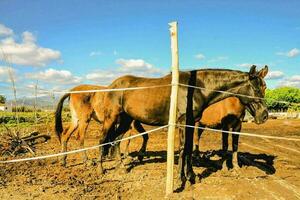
<point x="140" y="129"/>
<point x="225" y="141"/>
<point x="127" y="143"/>
<point x="64" y="140"/>
<point x="197" y="138"/>
<point x="83" y="125"/>
<point x="235" y="145"/>
<point x="125" y="122"/>
<point x="107" y="128"/>
<point x="224" y="151"/>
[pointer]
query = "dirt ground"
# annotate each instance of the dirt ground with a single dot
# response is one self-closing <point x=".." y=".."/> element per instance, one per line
<point x="269" y="169"/>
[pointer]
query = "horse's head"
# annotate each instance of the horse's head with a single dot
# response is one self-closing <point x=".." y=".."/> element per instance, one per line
<point x="255" y="87"/>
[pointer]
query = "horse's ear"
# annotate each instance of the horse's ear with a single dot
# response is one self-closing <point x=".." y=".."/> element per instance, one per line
<point x="252" y="71"/>
<point x="263" y="72"/>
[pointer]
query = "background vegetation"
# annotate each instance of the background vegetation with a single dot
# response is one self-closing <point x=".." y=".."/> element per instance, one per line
<point x="288" y="94"/>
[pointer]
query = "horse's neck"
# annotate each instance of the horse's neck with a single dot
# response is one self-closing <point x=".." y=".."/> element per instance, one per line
<point x="222" y="81"/>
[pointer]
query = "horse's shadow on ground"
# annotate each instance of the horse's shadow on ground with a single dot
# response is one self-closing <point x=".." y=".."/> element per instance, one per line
<point x="212" y="161"/>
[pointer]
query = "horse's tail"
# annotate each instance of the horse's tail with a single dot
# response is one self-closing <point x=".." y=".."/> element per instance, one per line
<point x="58" y="121"/>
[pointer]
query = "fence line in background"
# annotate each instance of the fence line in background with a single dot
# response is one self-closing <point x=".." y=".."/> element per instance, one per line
<point x="110" y="90"/>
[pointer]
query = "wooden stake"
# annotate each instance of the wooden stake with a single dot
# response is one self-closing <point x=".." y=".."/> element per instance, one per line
<point x="173" y="107"/>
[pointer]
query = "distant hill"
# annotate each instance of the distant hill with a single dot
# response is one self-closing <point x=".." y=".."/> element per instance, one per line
<point x="42" y="102"/>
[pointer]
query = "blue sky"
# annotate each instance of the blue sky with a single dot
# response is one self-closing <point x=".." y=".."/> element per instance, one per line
<point x="64" y="43"/>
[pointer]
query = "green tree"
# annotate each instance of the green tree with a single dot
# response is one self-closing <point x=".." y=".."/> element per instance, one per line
<point x="285" y="94"/>
<point x="2" y="99"/>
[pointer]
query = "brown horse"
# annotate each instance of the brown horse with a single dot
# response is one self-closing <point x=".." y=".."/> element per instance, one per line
<point x="84" y="106"/>
<point x="151" y="106"/>
<point x="226" y="114"/>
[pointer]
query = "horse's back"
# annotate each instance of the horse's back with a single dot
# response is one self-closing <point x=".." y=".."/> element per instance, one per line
<point x="214" y="114"/>
<point x="84" y="102"/>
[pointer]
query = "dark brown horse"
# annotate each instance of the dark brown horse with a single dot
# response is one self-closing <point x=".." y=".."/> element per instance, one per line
<point x="226" y="114"/>
<point x="151" y="106"/>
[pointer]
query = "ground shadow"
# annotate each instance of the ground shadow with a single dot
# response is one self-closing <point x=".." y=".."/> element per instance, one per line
<point x="212" y="161"/>
<point x="150" y="157"/>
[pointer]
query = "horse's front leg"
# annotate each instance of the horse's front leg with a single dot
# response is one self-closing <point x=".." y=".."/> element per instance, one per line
<point x="188" y="151"/>
<point x="181" y="180"/>
<point x="235" y="145"/>
<point x="137" y="125"/>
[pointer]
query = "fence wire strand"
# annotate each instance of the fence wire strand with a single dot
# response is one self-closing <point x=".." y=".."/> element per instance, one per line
<point x="83" y="149"/>
<point x="241" y="133"/>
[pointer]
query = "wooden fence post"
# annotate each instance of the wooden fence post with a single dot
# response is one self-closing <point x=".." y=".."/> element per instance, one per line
<point x="173" y="107"/>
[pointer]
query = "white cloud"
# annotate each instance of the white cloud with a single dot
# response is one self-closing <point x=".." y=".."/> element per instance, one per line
<point x="248" y="64"/>
<point x="293" y="81"/>
<point x="5" y="31"/>
<point x="275" y="75"/>
<point x="292" y="53"/>
<point x="200" y="56"/>
<point x="137" y="67"/>
<point x="217" y="59"/>
<point x="133" y="64"/>
<point x="103" y="77"/>
<point x="27" y="52"/>
<point x="54" y="76"/>
<point x="96" y="53"/>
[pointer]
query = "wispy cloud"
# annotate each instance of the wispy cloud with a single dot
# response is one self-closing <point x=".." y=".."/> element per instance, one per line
<point x="53" y="76"/>
<point x="5" y="31"/>
<point x="138" y="67"/>
<point x="96" y="53"/>
<point x="293" y="81"/>
<point x="272" y="75"/>
<point x="217" y="59"/>
<point x="248" y="64"/>
<point x="292" y="53"/>
<point x="200" y="56"/>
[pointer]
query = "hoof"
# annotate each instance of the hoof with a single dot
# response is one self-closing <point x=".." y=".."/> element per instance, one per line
<point x="179" y="184"/>
<point x="234" y="171"/>
<point x="197" y="179"/>
<point x="140" y="157"/>
<point x="127" y="160"/>
<point x="235" y="162"/>
<point x="100" y="170"/>
<point x="235" y="165"/>
<point x="192" y="177"/>
<point x="188" y="184"/>
<point x="224" y="166"/>
<point x="63" y="163"/>
<point x="89" y="163"/>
